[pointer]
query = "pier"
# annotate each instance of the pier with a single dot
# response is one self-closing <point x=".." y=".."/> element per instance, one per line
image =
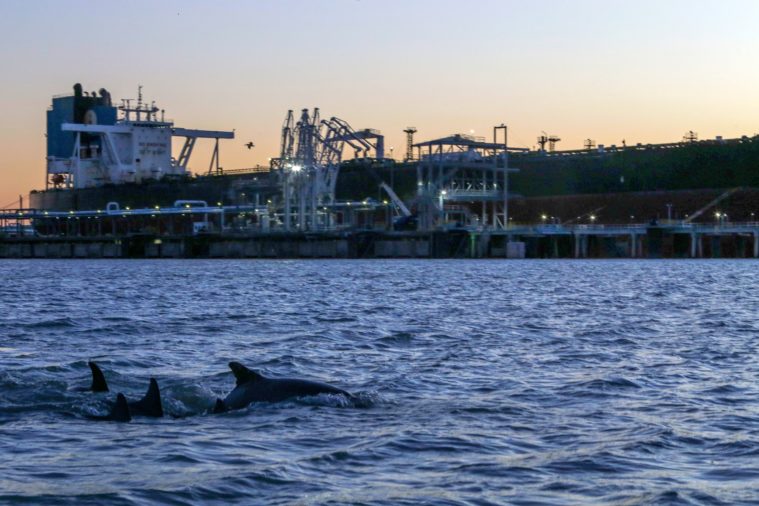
<point x="189" y="231"/>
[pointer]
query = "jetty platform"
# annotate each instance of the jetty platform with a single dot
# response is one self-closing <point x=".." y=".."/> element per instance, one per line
<point x="169" y="234"/>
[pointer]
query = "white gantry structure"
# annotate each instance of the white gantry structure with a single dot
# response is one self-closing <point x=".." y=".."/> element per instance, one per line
<point x="309" y="164"/>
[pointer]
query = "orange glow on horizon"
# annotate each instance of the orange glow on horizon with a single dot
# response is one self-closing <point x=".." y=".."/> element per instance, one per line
<point x="586" y="70"/>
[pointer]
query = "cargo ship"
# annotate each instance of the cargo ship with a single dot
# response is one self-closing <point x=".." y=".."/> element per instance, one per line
<point x="99" y="152"/>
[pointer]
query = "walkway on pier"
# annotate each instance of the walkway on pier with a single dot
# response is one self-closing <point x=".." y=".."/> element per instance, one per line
<point x="635" y="234"/>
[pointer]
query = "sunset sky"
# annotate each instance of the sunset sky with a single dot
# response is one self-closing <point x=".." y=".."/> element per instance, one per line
<point x="643" y="71"/>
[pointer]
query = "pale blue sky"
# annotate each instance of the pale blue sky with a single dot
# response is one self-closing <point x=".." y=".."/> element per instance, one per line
<point x="644" y="71"/>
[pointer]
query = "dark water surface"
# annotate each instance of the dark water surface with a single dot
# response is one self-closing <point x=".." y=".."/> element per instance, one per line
<point x="481" y="382"/>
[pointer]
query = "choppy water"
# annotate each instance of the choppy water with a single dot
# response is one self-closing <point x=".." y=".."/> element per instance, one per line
<point x="482" y="382"/>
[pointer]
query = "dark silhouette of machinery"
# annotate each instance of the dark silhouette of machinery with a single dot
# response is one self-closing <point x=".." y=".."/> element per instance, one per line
<point x="551" y="140"/>
<point x="410" y="131"/>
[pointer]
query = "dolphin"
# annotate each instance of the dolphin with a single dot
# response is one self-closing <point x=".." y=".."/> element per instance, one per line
<point x="119" y="412"/>
<point x="254" y="387"/>
<point x="98" y="380"/>
<point x="149" y="405"/>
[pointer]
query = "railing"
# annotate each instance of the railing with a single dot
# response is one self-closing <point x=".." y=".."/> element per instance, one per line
<point x="258" y="169"/>
<point x="624" y="228"/>
<point x="473" y="193"/>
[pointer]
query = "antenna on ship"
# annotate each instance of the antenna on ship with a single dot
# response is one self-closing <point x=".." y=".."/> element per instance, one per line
<point x="139" y="100"/>
<point x="589" y="144"/>
<point x="690" y="136"/>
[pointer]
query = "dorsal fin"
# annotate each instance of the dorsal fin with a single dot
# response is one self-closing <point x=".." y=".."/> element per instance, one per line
<point x="120" y="412"/>
<point x="243" y="374"/>
<point x="98" y="380"/>
<point x="150" y="404"/>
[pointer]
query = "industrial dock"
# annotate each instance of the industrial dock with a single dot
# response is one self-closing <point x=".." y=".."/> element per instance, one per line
<point x="114" y="189"/>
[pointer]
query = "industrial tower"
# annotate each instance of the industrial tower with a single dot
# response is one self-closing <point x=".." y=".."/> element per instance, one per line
<point x="410" y="131"/>
<point x="551" y="140"/>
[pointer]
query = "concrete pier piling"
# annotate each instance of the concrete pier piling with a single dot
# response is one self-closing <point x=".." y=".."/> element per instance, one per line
<point x="523" y="242"/>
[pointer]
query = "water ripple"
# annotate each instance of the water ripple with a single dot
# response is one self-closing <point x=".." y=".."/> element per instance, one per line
<point x="477" y="382"/>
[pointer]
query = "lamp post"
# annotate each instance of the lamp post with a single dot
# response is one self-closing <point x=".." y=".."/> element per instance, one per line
<point x="442" y="204"/>
<point x="502" y="126"/>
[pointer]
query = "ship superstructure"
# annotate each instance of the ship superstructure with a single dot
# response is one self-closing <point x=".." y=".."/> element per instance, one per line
<point x="93" y="143"/>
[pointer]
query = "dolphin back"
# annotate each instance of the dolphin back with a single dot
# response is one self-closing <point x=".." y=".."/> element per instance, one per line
<point x="119" y="412"/>
<point x="98" y="379"/>
<point x="277" y="390"/>
<point x="150" y="404"/>
<point x="219" y="407"/>
<point x="243" y="374"/>
<point x="305" y="388"/>
<point x="252" y="386"/>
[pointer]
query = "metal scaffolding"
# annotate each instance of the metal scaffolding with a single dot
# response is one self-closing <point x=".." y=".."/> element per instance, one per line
<point x="309" y="163"/>
<point x="462" y="181"/>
